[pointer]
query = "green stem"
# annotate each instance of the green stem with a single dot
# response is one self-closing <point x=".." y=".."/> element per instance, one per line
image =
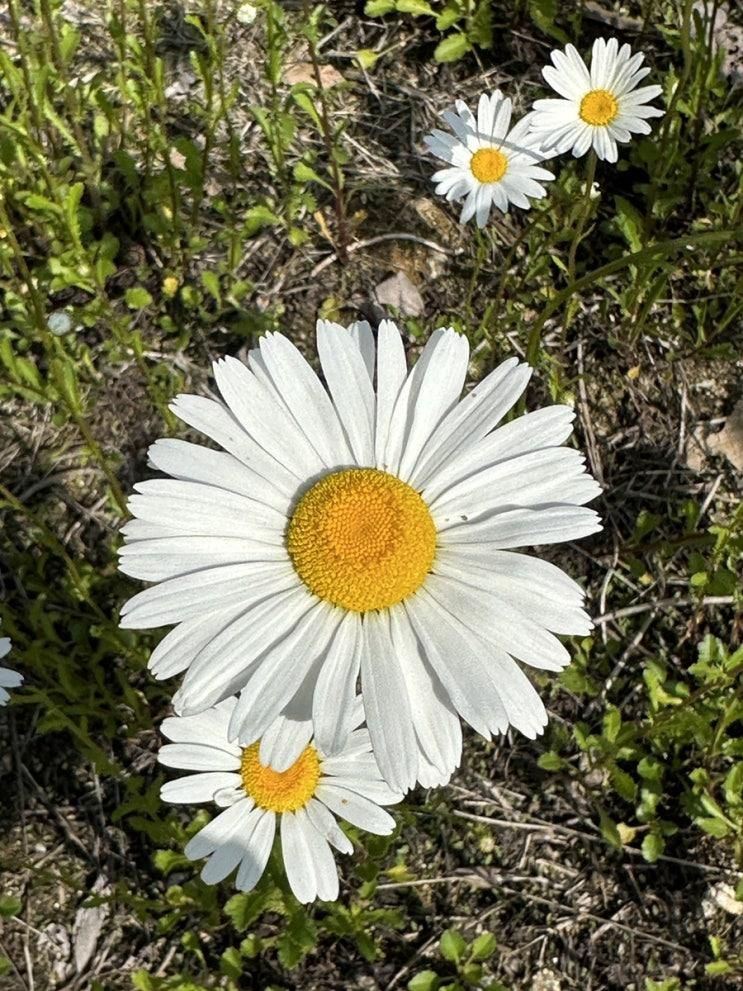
<point x="585" y="213"/>
<point x="637" y="257"/>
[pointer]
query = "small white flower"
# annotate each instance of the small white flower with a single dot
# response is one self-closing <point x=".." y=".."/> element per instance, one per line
<point x="488" y="163"/>
<point x="599" y="108"/>
<point x="303" y="796"/>
<point x="8" y="678"/>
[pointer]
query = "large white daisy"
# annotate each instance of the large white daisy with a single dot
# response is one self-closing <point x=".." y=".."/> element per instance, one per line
<point x="599" y="107"/>
<point x="364" y="529"/>
<point x="488" y="163"/>
<point x="8" y="678"/>
<point x="303" y="795"/>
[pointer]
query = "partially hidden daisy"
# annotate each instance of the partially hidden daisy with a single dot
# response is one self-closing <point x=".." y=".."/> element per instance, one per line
<point x="599" y="107"/>
<point x="363" y="529"/>
<point x="303" y="798"/>
<point x="488" y="164"/>
<point x="8" y="678"/>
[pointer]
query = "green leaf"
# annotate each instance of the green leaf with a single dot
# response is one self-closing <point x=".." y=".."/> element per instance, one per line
<point x="612" y="723"/>
<point x="303" y="173"/>
<point x="551" y="761"/>
<point x="378" y="8"/>
<point x="733" y="785"/>
<point x="453" y="946"/>
<point x="427" y="980"/>
<point x="623" y="784"/>
<point x="609" y="831"/>
<point x="713" y="826"/>
<point x="419" y="8"/>
<point x="10" y="905"/>
<point x="230" y="963"/>
<point x="366" y="57"/>
<point x="137" y="298"/>
<point x="483" y="947"/>
<point x="652" y="847"/>
<point x="630" y="223"/>
<point x="452" y="48"/>
<point x="210" y="282"/>
<point x="543" y="13"/>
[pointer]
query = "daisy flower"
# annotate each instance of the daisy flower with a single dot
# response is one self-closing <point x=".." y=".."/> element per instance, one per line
<point x="302" y="796"/>
<point x="598" y="108"/>
<point x="488" y="163"/>
<point x="367" y="528"/>
<point x="8" y="678"/>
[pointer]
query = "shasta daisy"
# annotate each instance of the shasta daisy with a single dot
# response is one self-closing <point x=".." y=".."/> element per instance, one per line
<point x="367" y="528"/>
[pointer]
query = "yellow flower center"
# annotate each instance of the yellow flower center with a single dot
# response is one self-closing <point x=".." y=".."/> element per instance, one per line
<point x="598" y="108"/>
<point x="361" y="539"/>
<point x="280" y="791"/>
<point x="488" y="165"/>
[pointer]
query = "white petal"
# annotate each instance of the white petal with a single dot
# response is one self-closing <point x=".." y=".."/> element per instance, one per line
<point x="203" y="510"/>
<point x="197" y="757"/>
<point x="404" y="411"/>
<point x="212" y="588"/>
<point x="231" y="654"/>
<point x="440" y="388"/>
<point x="194" y="463"/>
<point x="348" y="380"/>
<point x="256" y="856"/>
<point x="284" y="741"/>
<point x="208" y="727"/>
<point x="214" y="420"/>
<point x="386" y="703"/>
<point x="335" y="691"/>
<point x="320" y="857"/>
<point x="437" y="728"/>
<point x="168" y="557"/>
<point x="461" y="670"/>
<point x="543" y="428"/>
<point x="555" y="475"/>
<point x="182" y="645"/>
<point x="526" y="527"/>
<point x="499" y="623"/>
<point x="194" y="788"/>
<point x="355" y="809"/>
<point x="219" y="830"/>
<point x="324" y="822"/>
<point x="391" y="372"/>
<point x="298" y="864"/>
<point x="280" y="673"/>
<point x="265" y="419"/>
<point x="554" y="613"/>
<point x="473" y="418"/>
<point x="363" y="338"/>
<point x="304" y="396"/>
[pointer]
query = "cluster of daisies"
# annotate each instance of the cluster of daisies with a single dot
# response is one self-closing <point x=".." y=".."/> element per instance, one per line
<point x="491" y="163"/>
<point x="343" y="571"/>
<point x="342" y="577"/>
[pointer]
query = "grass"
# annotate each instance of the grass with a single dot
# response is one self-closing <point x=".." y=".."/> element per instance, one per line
<point x="174" y="183"/>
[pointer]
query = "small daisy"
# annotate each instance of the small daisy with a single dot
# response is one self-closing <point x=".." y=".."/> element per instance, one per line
<point x="366" y="529"/>
<point x="303" y="796"/>
<point x="8" y="678"/>
<point x="488" y="163"/>
<point x="599" y="108"/>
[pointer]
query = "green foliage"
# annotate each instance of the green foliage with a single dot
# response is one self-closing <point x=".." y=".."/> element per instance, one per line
<point x="469" y="965"/>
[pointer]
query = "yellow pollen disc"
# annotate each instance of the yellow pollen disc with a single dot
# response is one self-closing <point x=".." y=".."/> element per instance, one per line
<point x="488" y="165"/>
<point x="280" y="791"/>
<point x="598" y="108"/>
<point x="361" y="539"/>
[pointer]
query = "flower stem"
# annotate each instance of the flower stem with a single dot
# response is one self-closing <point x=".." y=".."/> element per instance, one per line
<point x="577" y="237"/>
